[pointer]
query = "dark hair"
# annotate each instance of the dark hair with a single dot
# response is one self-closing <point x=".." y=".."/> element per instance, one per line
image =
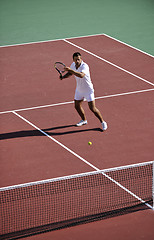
<point x="76" y="54"/>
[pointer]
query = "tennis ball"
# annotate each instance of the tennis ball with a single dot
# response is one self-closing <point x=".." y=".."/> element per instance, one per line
<point x="89" y="143"/>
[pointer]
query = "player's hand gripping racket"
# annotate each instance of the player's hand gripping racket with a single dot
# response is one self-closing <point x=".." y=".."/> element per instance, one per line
<point x="60" y="67"/>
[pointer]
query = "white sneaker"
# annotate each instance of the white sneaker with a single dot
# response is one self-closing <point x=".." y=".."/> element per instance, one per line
<point x="104" y="125"/>
<point x="82" y="122"/>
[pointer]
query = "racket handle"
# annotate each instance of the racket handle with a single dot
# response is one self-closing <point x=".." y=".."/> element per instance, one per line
<point x="61" y="77"/>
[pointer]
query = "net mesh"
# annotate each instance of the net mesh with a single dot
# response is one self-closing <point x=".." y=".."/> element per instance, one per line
<point x="56" y="203"/>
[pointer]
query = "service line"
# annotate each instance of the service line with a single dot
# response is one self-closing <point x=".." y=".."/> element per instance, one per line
<point x="70" y="102"/>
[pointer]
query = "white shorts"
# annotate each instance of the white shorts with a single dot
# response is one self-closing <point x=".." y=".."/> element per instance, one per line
<point x="89" y="96"/>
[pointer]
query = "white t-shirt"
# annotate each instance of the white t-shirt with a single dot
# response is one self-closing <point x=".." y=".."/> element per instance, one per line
<point x="83" y="84"/>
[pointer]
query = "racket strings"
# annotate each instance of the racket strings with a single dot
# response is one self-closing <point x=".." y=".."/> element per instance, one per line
<point x="60" y="67"/>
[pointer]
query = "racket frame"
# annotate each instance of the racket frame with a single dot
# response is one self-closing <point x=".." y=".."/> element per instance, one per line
<point x="60" y="72"/>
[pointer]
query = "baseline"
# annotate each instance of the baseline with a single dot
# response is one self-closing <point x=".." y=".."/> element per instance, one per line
<point x="83" y="36"/>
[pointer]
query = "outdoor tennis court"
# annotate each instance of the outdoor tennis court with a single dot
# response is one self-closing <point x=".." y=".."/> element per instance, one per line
<point x="53" y="184"/>
<point x="41" y="141"/>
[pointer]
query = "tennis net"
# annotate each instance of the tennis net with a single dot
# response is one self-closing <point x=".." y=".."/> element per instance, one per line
<point x="59" y="202"/>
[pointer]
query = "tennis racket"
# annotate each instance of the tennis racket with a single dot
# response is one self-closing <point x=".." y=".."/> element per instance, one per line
<point x="59" y="66"/>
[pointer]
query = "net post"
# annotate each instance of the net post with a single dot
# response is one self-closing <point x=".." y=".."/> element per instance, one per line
<point x="153" y="183"/>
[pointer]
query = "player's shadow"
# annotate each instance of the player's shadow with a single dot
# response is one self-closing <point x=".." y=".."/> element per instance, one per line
<point x="49" y="131"/>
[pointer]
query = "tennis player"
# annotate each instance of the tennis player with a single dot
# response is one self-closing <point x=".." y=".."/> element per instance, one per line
<point x="84" y="89"/>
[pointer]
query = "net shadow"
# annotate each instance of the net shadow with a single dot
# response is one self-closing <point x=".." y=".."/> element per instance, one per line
<point x="75" y="222"/>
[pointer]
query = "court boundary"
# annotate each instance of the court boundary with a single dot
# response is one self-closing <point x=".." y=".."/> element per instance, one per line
<point x="59" y="143"/>
<point x="91" y="35"/>
<point x="113" y="95"/>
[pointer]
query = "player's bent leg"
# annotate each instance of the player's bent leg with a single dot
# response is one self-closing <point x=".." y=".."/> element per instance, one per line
<point x="95" y="110"/>
<point x="97" y="114"/>
<point x="80" y="110"/>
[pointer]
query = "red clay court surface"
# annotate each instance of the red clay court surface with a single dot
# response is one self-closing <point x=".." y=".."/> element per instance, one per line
<point x="32" y="98"/>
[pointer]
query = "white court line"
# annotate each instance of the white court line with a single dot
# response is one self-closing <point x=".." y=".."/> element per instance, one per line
<point x="128" y="45"/>
<point x="47" y="41"/>
<point x="38" y="107"/>
<point x="90" y="35"/>
<point x="127" y="93"/>
<point x="55" y="179"/>
<point x="112" y="64"/>
<point x="54" y="140"/>
<point x="85" y="161"/>
<point x="64" y="103"/>
<point x="29" y="43"/>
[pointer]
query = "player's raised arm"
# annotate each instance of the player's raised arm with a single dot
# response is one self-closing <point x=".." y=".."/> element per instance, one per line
<point x="68" y="74"/>
<point x="73" y="72"/>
